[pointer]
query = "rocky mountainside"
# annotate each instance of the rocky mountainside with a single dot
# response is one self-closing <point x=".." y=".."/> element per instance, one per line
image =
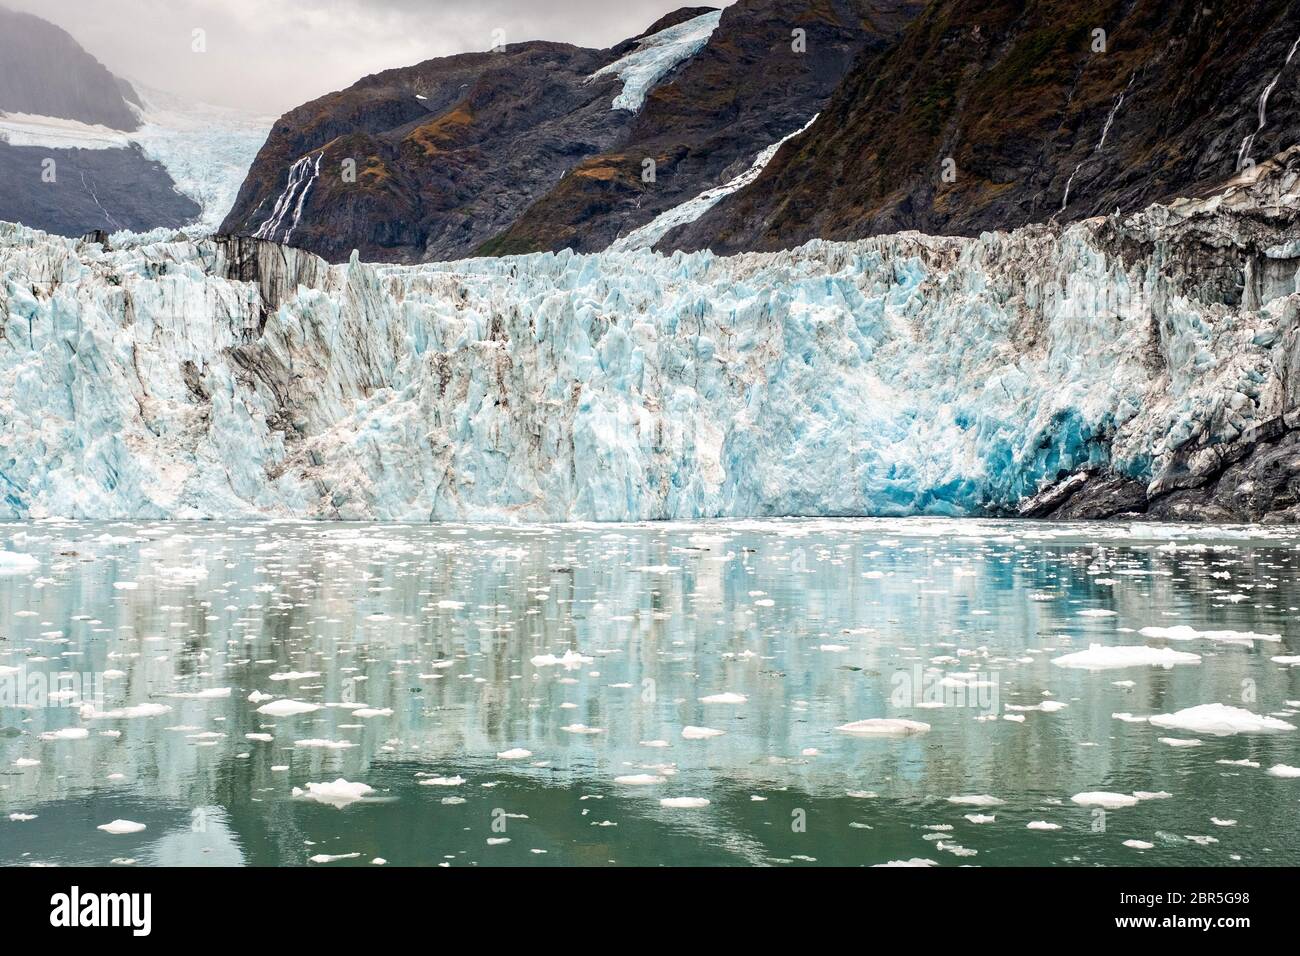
<point x="747" y="89"/>
<point x="44" y="71"/>
<point x="1122" y="364"/>
<point x="544" y="145"/>
<point x="989" y="114"/>
<point x="82" y="150"/>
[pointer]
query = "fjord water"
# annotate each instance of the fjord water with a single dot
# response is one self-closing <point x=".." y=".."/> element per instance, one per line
<point x="519" y="695"/>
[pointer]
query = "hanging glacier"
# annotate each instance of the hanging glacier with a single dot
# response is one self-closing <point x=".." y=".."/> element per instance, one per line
<point x="903" y="374"/>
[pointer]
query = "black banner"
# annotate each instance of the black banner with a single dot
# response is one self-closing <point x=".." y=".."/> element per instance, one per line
<point x="168" y="906"/>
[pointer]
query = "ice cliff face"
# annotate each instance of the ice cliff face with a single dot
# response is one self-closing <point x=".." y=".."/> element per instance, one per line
<point x="897" y="375"/>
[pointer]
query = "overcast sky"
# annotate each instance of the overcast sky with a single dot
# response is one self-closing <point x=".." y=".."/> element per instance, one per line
<point x="271" y="55"/>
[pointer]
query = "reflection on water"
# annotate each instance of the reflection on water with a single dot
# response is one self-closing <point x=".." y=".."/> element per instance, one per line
<point x="554" y="670"/>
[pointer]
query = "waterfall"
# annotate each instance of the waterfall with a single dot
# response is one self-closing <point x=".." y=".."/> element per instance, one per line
<point x="1243" y="153"/>
<point x="301" y="176"/>
<point x="1105" y="131"/>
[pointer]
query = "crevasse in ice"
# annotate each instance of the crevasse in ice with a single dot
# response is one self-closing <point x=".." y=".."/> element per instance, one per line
<point x="898" y="375"/>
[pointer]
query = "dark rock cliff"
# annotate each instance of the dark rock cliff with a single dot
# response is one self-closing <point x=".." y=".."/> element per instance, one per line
<point x="747" y="89"/>
<point x="519" y="150"/>
<point x="1028" y="105"/>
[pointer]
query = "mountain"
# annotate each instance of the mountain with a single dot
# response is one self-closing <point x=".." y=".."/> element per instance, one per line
<point x="744" y="91"/>
<point x="44" y="71"/>
<point x="1042" y="117"/>
<point x="1123" y="364"/>
<point x="83" y="150"/>
<point x="544" y="145"/>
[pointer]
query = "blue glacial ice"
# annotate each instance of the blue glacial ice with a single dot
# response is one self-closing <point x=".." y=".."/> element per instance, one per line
<point x="898" y="375"/>
<point x="657" y="55"/>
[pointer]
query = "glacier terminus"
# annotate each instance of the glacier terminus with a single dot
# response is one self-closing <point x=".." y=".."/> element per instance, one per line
<point x="1152" y="353"/>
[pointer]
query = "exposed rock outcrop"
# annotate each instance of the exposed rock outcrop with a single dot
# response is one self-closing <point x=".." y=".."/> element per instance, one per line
<point x="539" y="146"/>
<point x="991" y="114"/>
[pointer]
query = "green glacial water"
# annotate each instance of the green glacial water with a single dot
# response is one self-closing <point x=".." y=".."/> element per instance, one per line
<point x="660" y="694"/>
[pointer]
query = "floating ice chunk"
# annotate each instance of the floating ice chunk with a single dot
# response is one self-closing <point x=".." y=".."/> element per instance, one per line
<point x="514" y="753"/>
<point x="977" y="800"/>
<point x="1046" y="707"/>
<point x="1097" y="612"/>
<point x="980" y="817"/>
<point x="118" y="827"/>
<point x="1102" y="798"/>
<point x="1223" y="823"/>
<point x="1041" y="825"/>
<point x="884" y="727"/>
<point x="684" y="803"/>
<point x="256" y="697"/>
<point x="640" y="780"/>
<point x="1138" y="844"/>
<point x="147" y="709"/>
<point x="956" y="849"/>
<point x="294" y="675"/>
<point x="1152" y="794"/>
<point x="66" y="733"/>
<point x="571" y="660"/>
<point x="1219" y="720"/>
<point x="497" y="841"/>
<point x="338" y="793"/>
<point x="317" y="743"/>
<point x="725" y="698"/>
<point x="15" y="563"/>
<point x="368" y="713"/>
<point x="261" y="738"/>
<point x="1098" y="657"/>
<point x="700" y="733"/>
<point x="332" y="857"/>
<point x="1182" y="632"/>
<point x="1129" y="718"/>
<point x="21" y="817"/>
<point x="287" y="708"/>
<point x="1180" y="741"/>
<point x="914" y="861"/>
<point x="26" y="762"/>
<point x="1289" y="660"/>
<point x="212" y="693"/>
<point x="581" y="729"/>
<point x="1284" y="771"/>
<point x="455" y="781"/>
<point x="655" y="743"/>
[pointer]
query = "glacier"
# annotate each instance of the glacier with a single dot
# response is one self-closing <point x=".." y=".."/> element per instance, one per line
<point x="898" y="375"/>
<point x="656" y="56"/>
<point x="645" y="237"/>
<point x="207" y="150"/>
